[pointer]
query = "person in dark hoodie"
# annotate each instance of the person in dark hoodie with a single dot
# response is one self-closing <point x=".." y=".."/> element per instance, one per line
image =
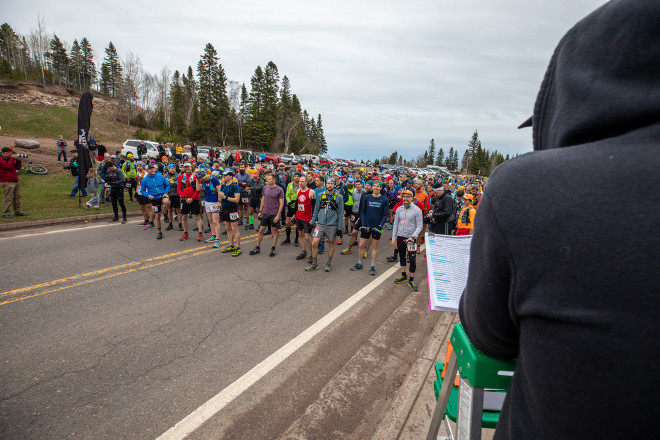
<point x="564" y="285"/>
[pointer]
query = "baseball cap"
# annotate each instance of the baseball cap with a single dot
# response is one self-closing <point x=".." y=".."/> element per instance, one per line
<point x="129" y="155"/>
<point x="187" y="164"/>
<point x="406" y="191"/>
<point x="113" y="157"/>
<point x="228" y="172"/>
<point x="200" y="173"/>
<point x="171" y="165"/>
<point x="5" y="149"/>
<point x="468" y="197"/>
<point x="377" y="182"/>
<point x="151" y="165"/>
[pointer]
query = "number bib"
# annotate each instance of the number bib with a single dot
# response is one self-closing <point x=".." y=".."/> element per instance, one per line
<point x="233" y="216"/>
<point x="412" y="247"/>
<point x="301" y="207"/>
<point x="155" y="208"/>
<point x="244" y="199"/>
<point x="315" y="233"/>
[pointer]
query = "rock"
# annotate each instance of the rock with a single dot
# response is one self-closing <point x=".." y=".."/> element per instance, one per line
<point x="26" y="143"/>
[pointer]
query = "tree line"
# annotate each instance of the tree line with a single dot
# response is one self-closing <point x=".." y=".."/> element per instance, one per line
<point x="475" y="160"/>
<point x="200" y="105"/>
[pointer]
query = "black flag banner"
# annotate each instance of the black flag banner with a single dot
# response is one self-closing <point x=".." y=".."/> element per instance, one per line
<point x="84" y="161"/>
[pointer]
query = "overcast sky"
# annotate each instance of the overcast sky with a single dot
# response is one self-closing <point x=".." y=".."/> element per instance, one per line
<point x="384" y="75"/>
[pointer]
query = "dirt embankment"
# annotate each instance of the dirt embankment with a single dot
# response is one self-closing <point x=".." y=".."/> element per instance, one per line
<point x="36" y="94"/>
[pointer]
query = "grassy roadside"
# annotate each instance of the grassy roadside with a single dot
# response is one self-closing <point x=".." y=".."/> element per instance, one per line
<point x="31" y="121"/>
<point x="45" y="197"/>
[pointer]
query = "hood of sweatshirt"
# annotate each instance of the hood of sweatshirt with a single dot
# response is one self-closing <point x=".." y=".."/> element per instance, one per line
<point x="603" y="79"/>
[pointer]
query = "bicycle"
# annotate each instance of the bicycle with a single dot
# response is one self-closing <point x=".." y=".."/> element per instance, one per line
<point x="34" y="169"/>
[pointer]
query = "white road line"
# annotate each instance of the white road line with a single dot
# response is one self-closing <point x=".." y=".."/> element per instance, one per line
<point x="196" y="418"/>
<point x="66" y="230"/>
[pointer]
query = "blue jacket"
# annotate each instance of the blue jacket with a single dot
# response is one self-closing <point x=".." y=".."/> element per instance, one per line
<point x="155" y="186"/>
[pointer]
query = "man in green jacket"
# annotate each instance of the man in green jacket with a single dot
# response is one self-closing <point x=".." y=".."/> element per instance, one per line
<point x="129" y="168"/>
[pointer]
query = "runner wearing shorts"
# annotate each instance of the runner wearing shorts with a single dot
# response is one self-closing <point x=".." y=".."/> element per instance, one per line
<point x="270" y="212"/>
<point x="155" y="188"/>
<point x="175" y="198"/>
<point x="328" y="217"/>
<point x="187" y="189"/>
<point x="373" y="215"/>
<point x="229" y="195"/>
<point x="306" y="197"/>
<point x="211" y="187"/>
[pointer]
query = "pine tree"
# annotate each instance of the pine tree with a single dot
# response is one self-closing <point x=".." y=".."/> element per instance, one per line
<point x="213" y="101"/>
<point x="177" y="121"/>
<point x="393" y="158"/>
<point x="111" y="71"/>
<point x="76" y="65"/>
<point x="59" y="61"/>
<point x="88" y="67"/>
<point x="449" y="161"/>
<point x="431" y="155"/>
<point x="440" y="159"/>
<point x="473" y="144"/>
<point x="323" y="146"/>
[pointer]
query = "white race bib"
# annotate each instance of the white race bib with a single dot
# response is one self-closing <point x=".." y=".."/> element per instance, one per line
<point x="301" y="207"/>
<point x="315" y="233"/>
<point x="233" y="216"/>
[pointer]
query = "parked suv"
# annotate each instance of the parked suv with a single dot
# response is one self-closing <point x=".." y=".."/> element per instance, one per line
<point x="130" y="146"/>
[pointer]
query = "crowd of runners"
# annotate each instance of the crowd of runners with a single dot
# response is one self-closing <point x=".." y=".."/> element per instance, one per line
<point x="316" y="206"/>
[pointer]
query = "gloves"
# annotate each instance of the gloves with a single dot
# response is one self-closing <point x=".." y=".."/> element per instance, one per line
<point x="378" y="230"/>
<point x="364" y="229"/>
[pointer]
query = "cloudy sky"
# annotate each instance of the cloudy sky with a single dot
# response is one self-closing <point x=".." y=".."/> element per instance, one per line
<point x="384" y="75"/>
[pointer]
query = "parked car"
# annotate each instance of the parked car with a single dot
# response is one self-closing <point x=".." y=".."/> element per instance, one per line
<point x="310" y="158"/>
<point x="288" y="159"/>
<point x="326" y="161"/>
<point x="272" y="158"/>
<point x="130" y="146"/>
<point x="203" y="153"/>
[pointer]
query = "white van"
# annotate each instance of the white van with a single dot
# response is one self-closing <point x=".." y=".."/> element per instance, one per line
<point x="314" y="160"/>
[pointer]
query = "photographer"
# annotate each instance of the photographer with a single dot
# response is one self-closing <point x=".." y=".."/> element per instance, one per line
<point x="11" y="187"/>
<point x="61" y="149"/>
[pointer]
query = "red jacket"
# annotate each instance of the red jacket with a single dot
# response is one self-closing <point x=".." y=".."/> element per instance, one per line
<point x="8" y="169"/>
<point x="415" y="200"/>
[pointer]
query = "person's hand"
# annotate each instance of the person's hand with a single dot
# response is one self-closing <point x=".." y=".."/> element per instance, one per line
<point x="276" y="219"/>
<point x="394" y="242"/>
<point x="189" y="200"/>
<point x="151" y="197"/>
<point x="259" y="216"/>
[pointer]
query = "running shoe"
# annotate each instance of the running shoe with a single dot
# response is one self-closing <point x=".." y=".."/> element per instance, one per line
<point x="302" y="256"/>
<point x="195" y="229"/>
<point x="185" y="236"/>
<point x="340" y="241"/>
<point x="357" y="266"/>
<point x="328" y="267"/>
<point x="159" y="236"/>
<point x="180" y="227"/>
<point x="123" y="221"/>
<point x="228" y="249"/>
<point x="402" y="279"/>
<point x="145" y="223"/>
<point x="391" y="259"/>
<point x="255" y="251"/>
<point x="206" y="231"/>
<point x="169" y="227"/>
<point x="372" y="271"/>
<point x="312" y="267"/>
<point x="272" y="253"/>
<point x="200" y="237"/>
<point x="212" y="238"/>
<point x="216" y="244"/>
<point x="295" y="243"/>
<point x="389" y="228"/>
<point x="237" y="252"/>
<point x="149" y="226"/>
<point x="412" y="286"/>
<point x="116" y="219"/>
<point x="347" y="251"/>
<point x="285" y="242"/>
<point x="240" y="223"/>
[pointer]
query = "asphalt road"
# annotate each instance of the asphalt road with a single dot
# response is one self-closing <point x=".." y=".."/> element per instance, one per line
<point x="106" y="332"/>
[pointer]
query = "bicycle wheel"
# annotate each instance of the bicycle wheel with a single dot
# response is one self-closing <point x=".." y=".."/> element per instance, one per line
<point x="36" y="169"/>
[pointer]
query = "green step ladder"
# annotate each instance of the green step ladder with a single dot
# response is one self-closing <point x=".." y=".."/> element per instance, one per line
<point x="464" y="404"/>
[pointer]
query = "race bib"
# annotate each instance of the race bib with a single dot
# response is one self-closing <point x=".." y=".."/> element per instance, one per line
<point x="301" y="207"/>
<point x="128" y="185"/>
<point x="315" y="233"/>
<point x="155" y="208"/>
<point x="353" y="218"/>
<point x="211" y="207"/>
<point x="244" y="199"/>
<point x="233" y="216"/>
<point x="107" y="185"/>
<point x="412" y="247"/>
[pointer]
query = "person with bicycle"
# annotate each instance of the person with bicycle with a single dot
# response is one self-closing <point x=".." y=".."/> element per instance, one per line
<point x="9" y="182"/>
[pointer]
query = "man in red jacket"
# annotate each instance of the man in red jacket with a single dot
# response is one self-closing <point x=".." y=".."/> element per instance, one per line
<point x="9" y="182"/>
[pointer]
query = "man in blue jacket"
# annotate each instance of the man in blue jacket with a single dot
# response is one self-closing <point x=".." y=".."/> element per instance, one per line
<point x="156" y="188"/>
<point x="373" y="215"/>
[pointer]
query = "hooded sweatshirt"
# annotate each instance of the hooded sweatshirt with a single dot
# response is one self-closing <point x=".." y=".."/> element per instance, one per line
<point x="565" y="283"/>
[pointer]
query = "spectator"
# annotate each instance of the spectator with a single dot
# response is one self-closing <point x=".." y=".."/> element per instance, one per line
<point x="73" y="167"/>
<point x="93" y="189"/>
<point x="61" y="149"/>
<point x="9" y="182"/>
<point x="558" y="278"/>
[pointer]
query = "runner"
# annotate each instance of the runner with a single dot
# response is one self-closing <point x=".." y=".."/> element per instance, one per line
<point x="116" y="181"/>
<point x="465" y="220"/>
<point x="255" y="188"/>
<point x="145" y="206"/>
<point x="230" y="194"/>
<point x="349" y="202"/>
<point x="211" y="187"/>
<point x="129" y="169"/>
<point x="291" y="202"/>
<point x="175" y="198"/>
<point x="304" y="216"/>
<point x="423" y="197"/>
<point x="270" y="212"/>
<point x="373" y="215"/>
<point x="187" y="188"/>
<point x="328" y="217"/>
<point x="408" y="223"/>
<point x="155" y="188"/>
<point x="242" y="177"/>
<point x="358" y="198"/>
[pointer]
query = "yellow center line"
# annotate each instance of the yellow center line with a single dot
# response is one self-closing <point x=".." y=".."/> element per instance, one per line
<point x="108" y="269"/>
<point x="196" y="252"/>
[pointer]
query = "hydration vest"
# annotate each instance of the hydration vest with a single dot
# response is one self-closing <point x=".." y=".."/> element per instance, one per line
<point x="330" y="202"/>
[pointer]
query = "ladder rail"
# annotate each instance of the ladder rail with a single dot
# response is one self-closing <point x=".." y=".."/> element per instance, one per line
<point x="443" y="398"/>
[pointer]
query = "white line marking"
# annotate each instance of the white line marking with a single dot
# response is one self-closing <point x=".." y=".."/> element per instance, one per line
<point x="67" y="230"/>
<point x="216" y="403"/>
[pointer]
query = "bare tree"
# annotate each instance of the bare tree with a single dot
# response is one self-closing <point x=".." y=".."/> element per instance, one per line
<point x="163" y="93"/>
<point x="42" y="44"/>
<point x="290" y="123"/>
<point x="133" y="76"/>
